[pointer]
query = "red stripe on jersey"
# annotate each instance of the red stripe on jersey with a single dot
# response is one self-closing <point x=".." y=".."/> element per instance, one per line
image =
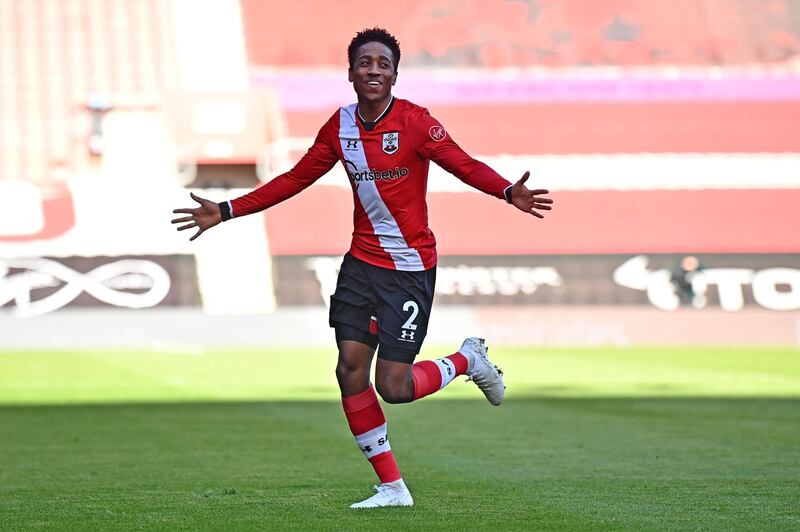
<point x="365" y="244"/>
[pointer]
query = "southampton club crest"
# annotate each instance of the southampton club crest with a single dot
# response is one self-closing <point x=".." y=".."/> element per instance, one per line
<point x="391" y="142"/>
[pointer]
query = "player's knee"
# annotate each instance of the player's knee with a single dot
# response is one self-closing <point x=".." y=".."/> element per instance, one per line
<point x="348" y="372"/>
<point x="394" y="394"/>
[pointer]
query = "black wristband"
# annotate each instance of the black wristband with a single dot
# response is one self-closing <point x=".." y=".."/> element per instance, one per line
<point x="507" y="193"/>
<point x="225" y="210"/>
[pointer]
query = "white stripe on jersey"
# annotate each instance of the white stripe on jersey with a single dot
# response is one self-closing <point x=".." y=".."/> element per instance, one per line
<point x="383" y="223"/>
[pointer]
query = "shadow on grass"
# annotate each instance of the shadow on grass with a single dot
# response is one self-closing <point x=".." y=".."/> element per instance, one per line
<point x="586" y="463"/>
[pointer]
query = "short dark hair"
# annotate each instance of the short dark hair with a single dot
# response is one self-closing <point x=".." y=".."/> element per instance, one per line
<point x="373" y="35"/>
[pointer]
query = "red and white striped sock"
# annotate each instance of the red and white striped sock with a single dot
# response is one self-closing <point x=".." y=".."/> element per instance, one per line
<point x="430" y="376"/>
<point x="368" y="425"/>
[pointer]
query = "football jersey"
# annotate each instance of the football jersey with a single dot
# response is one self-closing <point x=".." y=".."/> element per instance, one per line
<point x="387" y="165"/>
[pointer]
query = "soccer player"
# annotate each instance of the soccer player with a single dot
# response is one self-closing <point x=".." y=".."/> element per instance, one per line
<point x="385" y="287"/>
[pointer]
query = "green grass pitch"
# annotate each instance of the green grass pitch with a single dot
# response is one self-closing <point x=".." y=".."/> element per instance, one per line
<point x="588" y="439"/>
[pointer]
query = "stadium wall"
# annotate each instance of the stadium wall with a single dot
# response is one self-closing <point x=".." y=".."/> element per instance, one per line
<point x="582" y="286"/>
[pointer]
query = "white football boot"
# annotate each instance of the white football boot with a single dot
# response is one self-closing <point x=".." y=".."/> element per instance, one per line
<point x="481" y="371"/>
<point x="388" y="494"/>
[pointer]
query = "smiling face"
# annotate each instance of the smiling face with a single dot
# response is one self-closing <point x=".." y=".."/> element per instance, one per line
<point x="373" y="73"/>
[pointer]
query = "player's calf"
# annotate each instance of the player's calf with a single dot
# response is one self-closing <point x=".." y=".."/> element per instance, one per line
<point x="430" y="376"/>
<point x="394" y="382"/>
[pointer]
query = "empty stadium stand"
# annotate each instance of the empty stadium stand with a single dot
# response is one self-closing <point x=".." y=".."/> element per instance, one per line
<point x="60" y="59"/>
<point x="65" y="65"/>
<point x="500" y="33"/>
<point x="685" y="76"/>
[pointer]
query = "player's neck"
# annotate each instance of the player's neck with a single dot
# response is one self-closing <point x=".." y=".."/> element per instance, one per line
<point x="372" y="111"/>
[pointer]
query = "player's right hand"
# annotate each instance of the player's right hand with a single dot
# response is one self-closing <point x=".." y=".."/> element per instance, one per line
<point x="203" y="217"/>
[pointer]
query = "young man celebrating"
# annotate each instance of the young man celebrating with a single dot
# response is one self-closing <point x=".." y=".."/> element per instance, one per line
<point x="385" y="288"/>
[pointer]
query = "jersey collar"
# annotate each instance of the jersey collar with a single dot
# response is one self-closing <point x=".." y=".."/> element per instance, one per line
<point x="369" y="126"/>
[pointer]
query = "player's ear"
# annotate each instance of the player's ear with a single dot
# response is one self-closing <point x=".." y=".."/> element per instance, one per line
<point x="394" y="78"/>
<point x="350" y="75"/>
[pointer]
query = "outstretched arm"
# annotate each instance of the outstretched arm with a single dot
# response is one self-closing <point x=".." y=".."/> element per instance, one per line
<point x="437" y="145"/>
<point x="205" y="216"/>
<point x="314" y="164"/>
<point x="527" y="200"/>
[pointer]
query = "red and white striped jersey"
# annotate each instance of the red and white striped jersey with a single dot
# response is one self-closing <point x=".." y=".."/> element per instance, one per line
<point x="387" y="163"/>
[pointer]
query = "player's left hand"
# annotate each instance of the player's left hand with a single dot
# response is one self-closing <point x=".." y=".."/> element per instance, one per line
<point x="527" y="200"/>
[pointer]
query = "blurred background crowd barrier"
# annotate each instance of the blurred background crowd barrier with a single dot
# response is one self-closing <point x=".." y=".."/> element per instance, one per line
<point x="667" y="131"/>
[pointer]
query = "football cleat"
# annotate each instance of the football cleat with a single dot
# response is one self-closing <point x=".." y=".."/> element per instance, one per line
<point x="481" y="371"/>
<point x="388" y="494"/>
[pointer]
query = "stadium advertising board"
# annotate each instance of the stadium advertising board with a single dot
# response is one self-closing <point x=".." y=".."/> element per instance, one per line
<point x="99" y="242"/>
<point x="731" y="282"/>
<point x="35" y="286"/>
<point x="89" y="242"/>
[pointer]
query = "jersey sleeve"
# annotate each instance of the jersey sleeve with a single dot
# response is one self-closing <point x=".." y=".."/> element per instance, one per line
<point x="436" y="144"/>
<point x="316" y="162"/>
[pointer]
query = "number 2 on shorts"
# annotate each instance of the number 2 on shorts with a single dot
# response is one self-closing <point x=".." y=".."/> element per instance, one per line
<point x="409" y="324"/>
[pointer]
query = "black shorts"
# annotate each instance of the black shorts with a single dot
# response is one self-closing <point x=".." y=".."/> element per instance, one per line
<point x="399" y="301"/>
